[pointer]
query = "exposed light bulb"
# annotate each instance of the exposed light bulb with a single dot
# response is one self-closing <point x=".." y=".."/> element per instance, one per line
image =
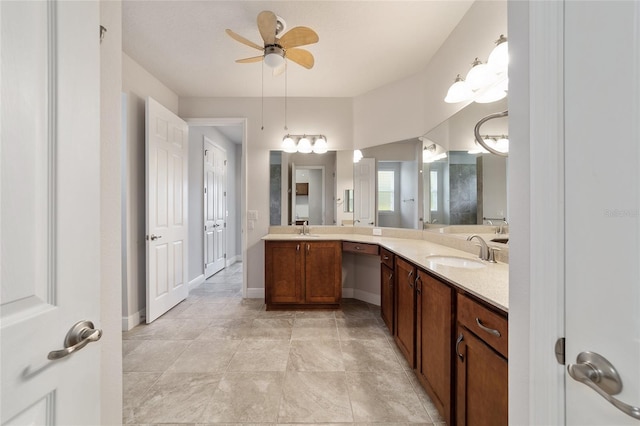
<point x="289" y="145"/>
<point x="304" y="145"/>
<point x="458" y="92"/>
<point x="320" y="145"/>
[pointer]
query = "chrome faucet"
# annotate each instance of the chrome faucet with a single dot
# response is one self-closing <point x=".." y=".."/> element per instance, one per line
<point x="501" y="227"/>
<point x="484" y="249"/>
<point x="305" y="228"/>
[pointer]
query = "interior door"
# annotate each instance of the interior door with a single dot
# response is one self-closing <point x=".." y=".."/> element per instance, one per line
<point x="50" y="205"/>
<point x="167" y="207"/>
<point x="364" y="183"/>
<point x="215" y="210"/>
<point x="602" y="172"/>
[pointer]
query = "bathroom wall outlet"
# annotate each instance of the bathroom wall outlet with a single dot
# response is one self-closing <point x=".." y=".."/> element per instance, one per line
<point x="377" y="231"/>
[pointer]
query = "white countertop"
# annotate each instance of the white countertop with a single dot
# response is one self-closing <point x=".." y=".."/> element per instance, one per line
<point x="491" y="283"/>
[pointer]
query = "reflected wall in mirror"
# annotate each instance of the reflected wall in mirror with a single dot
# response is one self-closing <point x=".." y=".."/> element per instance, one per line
<point x="303" y="188"/>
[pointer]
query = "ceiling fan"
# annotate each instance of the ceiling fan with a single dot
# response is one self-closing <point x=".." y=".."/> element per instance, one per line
<point x="278" y="46"/>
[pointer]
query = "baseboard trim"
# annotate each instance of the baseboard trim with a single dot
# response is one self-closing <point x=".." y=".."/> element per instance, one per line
<point x="134" y="319"/>
<point x="255" y="293"/>
<point x="196" y="282"/>
<point x="233" y="260"/>
<point x="366" y="296"/>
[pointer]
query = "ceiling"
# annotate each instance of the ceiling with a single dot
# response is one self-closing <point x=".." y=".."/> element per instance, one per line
<point x="363" y="44"/>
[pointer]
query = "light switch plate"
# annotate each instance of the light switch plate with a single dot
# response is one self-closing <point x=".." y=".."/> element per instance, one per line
<point x="252" y="214"/>
<point x="377" y="231"/>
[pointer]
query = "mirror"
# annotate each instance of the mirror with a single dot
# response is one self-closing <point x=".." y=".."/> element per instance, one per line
<point x="348" y="201"/>
<point x="302" y="188"/>
<point x="462" y="188"/>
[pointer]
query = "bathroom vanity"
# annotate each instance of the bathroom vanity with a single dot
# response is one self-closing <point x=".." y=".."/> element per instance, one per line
<point x="447" y="310"/>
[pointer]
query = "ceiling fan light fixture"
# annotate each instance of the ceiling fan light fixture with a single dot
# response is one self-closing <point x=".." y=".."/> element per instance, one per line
<point x="273" y="56"/>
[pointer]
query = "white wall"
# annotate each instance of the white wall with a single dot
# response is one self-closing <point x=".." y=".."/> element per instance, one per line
<point x="137" y="84"/>
<point x="411" y="107"/>
<point x="111" y="218"/>
<point x="196" y="197"/>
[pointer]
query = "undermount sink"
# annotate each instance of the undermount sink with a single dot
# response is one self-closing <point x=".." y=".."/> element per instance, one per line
<point x="503" y="240"/>
<point x="456" y="262"/>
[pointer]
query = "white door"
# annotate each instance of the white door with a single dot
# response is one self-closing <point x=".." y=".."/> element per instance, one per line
<point x="215" y="207"/>
<point x="364" y="184"/>
<point x="50" y="210"/>
<point x="167" y="203"/>
<point x="602" y="172"/>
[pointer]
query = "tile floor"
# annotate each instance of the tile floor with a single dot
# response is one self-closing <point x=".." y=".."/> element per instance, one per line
<point x="217" y="358"/>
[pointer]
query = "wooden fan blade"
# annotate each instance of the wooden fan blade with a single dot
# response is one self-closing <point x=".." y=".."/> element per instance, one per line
<point x="243" y="40"/>
<point x="298" y="36"/>
<point x="267" y="22"/>
<point x="248" y="60"/>
<point x="300" y="57"/>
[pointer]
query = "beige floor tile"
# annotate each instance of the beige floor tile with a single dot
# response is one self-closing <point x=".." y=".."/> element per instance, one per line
<point x="243" y="397"/>
<point x="315" y="355"/>
<point x="153" y="355"/>
<point x="369" y="355"/>
<point x="227" y="328"/>
<point x="177" y="397"/>
<point x="384" y="396"/>
<point x="168" y="329"/>
<point x="205" y="356"/>
<point x="261" y="355"/>
<point x="315" y="397"/>
<point x="359" y="329"/>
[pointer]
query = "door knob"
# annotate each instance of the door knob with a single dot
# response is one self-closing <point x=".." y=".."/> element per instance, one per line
<point x="154" y="237"/>
<point x="599" y="374"/>
<point x="80" y="335"/>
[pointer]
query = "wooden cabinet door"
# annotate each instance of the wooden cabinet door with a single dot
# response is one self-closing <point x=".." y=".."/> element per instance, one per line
<point x="481" y="383"/>
<point x="434" y="324"/>
<point x="323" y="272"/>
<point x="283" y="269"/>
<point x="405" y="304"/>
<point x="387" y="285"/>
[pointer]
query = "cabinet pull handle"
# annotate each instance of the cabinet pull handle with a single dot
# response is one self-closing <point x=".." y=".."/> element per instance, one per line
<point x="460" y="339"/>
<point x="409" y="279"/>
<point x="358" y="248"/>
<point x="391" y="279"/>
<point x="298" y="247"/>
<point x="308" y="248"/>
<point x="487" y="329"/>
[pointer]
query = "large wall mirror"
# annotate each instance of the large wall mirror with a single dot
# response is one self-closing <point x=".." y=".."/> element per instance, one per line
<point x="393" y="186"/>
<point x="441" y="177"/>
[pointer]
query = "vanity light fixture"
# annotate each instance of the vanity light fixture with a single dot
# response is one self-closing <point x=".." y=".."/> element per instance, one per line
<point x="430" y="154"/>
<point x="484" y="83"/>
<point x="497" y="142"/>
<point x="304" y="145"/>
<point x="357" y="155"/>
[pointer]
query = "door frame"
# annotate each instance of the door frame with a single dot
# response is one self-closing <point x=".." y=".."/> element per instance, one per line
<point x="204" y="180"/>
<point x="536" y="164"/>
<point x="243" y="176"/>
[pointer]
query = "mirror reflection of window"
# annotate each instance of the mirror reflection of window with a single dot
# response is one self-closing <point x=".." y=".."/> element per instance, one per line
<point x="386" y="190"/>
<point x="433" y="190"/>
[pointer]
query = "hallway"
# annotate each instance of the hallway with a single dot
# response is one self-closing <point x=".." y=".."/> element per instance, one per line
<point x="216" y="358"/>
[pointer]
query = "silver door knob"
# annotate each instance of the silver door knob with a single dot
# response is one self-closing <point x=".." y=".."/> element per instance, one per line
<point x="599" y="374"/>
<point x="154" y="237"/>
<point x="80" y="335"/>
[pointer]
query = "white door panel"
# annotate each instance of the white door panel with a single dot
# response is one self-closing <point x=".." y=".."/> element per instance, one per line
<point x="602" y="161"/>
<point x="50" y="209"/>
<point x="167" y="191"/>
<point x="215" y="212"/>
<point x="364" y="183"/>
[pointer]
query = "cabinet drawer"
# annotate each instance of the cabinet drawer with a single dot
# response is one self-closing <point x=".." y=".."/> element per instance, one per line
<point x="386" y="257"/>
<point x="486" y="324"/>
<point x="362" y="248"/>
